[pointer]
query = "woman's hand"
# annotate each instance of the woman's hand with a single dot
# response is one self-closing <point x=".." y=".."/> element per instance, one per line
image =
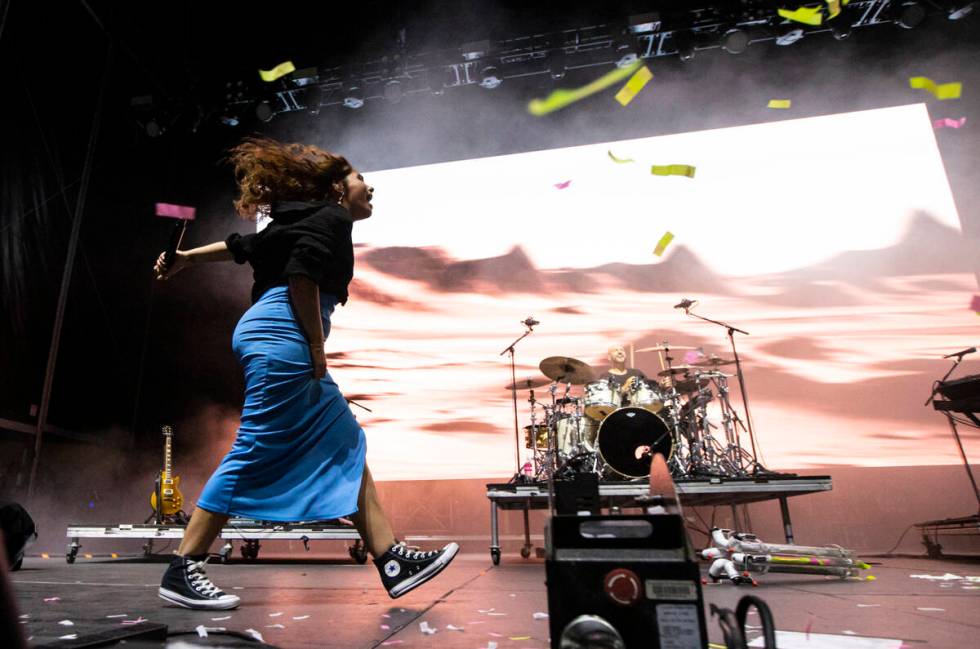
<point x="181" y="261"/>
<point x="319" y="361"/>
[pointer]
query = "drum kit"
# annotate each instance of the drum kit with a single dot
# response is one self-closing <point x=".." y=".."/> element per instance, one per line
<point x="613" y="428"/>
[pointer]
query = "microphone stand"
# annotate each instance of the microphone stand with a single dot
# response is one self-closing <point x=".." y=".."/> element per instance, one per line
<point x="513" y="384"/>
<point x="741" y="381"/>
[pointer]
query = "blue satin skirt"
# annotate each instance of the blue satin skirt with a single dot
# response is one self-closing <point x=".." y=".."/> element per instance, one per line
<point x="299" y="453"/>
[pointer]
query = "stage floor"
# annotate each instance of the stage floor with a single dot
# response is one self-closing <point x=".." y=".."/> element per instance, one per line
<point x="346" y="606"/>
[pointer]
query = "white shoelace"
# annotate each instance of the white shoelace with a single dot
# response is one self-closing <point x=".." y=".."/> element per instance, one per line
<point x="402" y="550"/>
<point x="199" y="580"/>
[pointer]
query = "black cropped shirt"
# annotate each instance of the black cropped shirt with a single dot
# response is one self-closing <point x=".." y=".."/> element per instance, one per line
<point x="311" y="239"/>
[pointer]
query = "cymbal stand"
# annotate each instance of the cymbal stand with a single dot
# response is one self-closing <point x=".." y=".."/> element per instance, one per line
<point x="518" y="476"/>
<point x="754" y="464"/>
<point x="737" y="456"/>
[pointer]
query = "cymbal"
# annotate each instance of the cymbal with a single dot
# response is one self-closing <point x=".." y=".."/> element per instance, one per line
<point x="566" y="369"/>
<point x="528" y="383"/>
<point x="663" y="348"/>
<point x="677" y="369"/>
<point x="713" y="361"/>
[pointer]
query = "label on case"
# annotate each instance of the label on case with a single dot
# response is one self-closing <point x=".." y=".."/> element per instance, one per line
<point x="658" y="589"/>
<point x="677" y="626"/>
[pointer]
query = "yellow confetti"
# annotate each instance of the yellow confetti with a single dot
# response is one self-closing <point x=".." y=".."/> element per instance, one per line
<point x="805" y="15"/>
<point x="634" y="85"/>
<point x="87" y="555"/>
<point x="619" y="160"/>
<point x="561" y="97"/>
<point x="673" y="170"/>
<point x="45" y="555"/>
<point x="779" y="103"/>
<point x="520" y="637"/>
<point x="113" y="555"/>
<point x="941" y="91"/>
<point x="663" y="243"/>
<point x="280" y="70"/>
<point x="872" y="578"/>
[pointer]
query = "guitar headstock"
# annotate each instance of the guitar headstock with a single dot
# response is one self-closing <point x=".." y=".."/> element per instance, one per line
<point x="167" y="431"/>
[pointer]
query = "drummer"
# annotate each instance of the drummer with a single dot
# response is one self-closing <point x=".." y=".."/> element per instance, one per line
<point x="618" y="373"/>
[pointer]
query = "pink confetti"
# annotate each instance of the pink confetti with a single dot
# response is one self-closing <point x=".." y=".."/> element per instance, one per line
<point x="974" y="305"/>
<point x="563" y="185"/>
<point x="385" y="627"/>
<point x="946" y="122"/>
<point x="52" y="599"/>
<point x="692" y="356"/>
<point x="139" y="620"/>
<point x="393" y="642"/>
<point x="176" y="211"/>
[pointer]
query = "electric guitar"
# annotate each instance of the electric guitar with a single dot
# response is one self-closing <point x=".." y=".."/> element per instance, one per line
<point x="170" y="496"/>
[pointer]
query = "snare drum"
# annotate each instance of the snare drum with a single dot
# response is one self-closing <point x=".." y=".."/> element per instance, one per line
<point x="573" y="430"/>
<point x="645" y="395"/>
<point x="602" y="398"/>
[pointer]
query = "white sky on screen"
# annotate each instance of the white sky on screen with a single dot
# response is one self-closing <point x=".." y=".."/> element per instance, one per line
<point x="766" y="198"/>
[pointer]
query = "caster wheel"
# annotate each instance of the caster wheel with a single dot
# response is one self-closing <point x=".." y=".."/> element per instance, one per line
<point x="225" y="553"/>
<point x="71" y="553"/>
<point x="525" y="552"/>
<point x="358" y="553"/>
<point x="495" y="556"/>
<point x="250" y="549"/>
<point x="70" y="558"/>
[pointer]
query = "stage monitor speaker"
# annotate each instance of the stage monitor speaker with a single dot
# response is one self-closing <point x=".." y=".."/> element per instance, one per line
<point x="623" y="582"/>
<point x="18" y="528"/>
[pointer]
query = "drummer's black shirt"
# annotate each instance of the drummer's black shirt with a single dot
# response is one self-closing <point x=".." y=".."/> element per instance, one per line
<point x="620" y="379"/>
<point x="311" y="239"/>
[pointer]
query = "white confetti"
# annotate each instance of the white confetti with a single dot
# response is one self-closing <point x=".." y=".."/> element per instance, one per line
<point x="70" y="636"/>
<point x="947" y="577"/>
<point x="52" y="599"/>
<point x="239" y="588"/>
<point x="275" y="626"/>
<point x="218" y="619"/>
<point x="66" y="623"/>
<point x="491" y="645"/>
<point x="138" y="620"/>
<point x="202" y="631"/>
<point x="929" y="608"/>
<point x="488" y="610"/>
<point x="496" y="614"/>
<point x="512" y="595"/>
<point x="110" y="617"/>
<point x="426" y="629"/>
<point x="453" y="627"/>
<point x="275" y="614"/>
<point x="868" y="605"/>
<point x="301" y="617"/>
<point x="849" y="632"/>
<point x="385" y="627"/>
<point x="255" y="634"/>
<point x="540" y="616"/>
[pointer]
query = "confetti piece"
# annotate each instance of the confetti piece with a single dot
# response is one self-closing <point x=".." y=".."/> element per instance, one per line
<point x="385" y="627"/>
<point x="277" y="614"/>
<point x="489" y="610"/>
<point x="24" y="616"/>
<point x="805" y="15"/>
<point x="45" y="555"/>
<point x="202" y="631"/>
<point x="70" y="636"/>
<point x="426" y="629"/>
<point x="113" y="555"/>
<point x="139" y="620"/>
<point x="779" y="103"/>
<point x="66" y="623"/>
<point x="929" y="608"/>
<point x="868" y="605"/>
<point x="255" y="634"/>
<point x="495" y="635"/>
<point x="663" y="243"/>
<point x="512" y="595"/>
<point x="619" y="160"/>
<point x="453" y="627"/>
<point x="491" y="645"/>
<point x="238" y="588"/>
<point x="280" y="70"/>
<point x="975" y="303"/>
<point x="389" y="642"/>
<point x="182" y="212"/>
<point x="833" y="8"/>
<point x="563" y="185"/>
<point x="519" y="637"/>
<point x="540" y="616"/>
<point x="872" y="578"/>
<point x="52" y="599"/>
<point x="275" y="626"/>
<point x="941" y="91"/>
<point x="561" y="97"/>
<point x="89" y="556"/>
<point x="385" y="615"/>
<point x="499" y="614"/>
<point x="673" y="170"/>
<point x="947" y="122"/>
<point x="301" y="617"/>
<point x="633" y="87"/>
<point x="218" y="619"/>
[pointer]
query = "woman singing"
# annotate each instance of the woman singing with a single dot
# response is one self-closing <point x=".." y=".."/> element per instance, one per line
<point x="299" y="453"/>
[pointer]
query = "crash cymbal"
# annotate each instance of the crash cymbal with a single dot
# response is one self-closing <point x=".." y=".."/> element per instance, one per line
<point x="713" y="361"/>
<point x="676" y="370"/>
<point x="566" y="369"/>
<point x="663" y="348"/>
<point x="528" y="383"/>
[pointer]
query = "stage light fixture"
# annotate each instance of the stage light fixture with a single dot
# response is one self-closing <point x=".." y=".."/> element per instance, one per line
<point x="956" y="13"/>
<point x="735" y="41"/>
<point x="393" y="91"/>
<point x="789" y="34"/>
<point x="490" y="77"/>
<point x="911" y="14"/>
<point x="644" y="23"/>
<point x="263" y="110"/>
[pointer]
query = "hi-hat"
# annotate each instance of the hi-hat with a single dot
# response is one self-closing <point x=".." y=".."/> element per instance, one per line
<point x="566" y="369"/>
<point x="663" y="348"/>
<point x="528" y="383"/>
<point x="713" y="361"/>
<point x="676" y="370"/>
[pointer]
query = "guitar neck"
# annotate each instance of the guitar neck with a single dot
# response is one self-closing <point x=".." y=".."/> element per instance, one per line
<point x="167" y="467"/>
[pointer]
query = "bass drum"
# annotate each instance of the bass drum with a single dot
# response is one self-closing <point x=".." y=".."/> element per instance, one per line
<point x="628" y="439"/>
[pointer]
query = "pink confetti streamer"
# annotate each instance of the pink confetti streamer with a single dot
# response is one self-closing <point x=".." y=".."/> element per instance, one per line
<point x="139" y="620"/>
<point x="947" y="122"/>
<point x="176" y="211"/>
<point x="52" y="599"/>
<point x="563" y="185"/>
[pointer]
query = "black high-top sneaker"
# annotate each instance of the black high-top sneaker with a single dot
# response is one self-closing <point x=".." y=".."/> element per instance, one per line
<point x="186" y="584"/>
<point x="403" y="569"/>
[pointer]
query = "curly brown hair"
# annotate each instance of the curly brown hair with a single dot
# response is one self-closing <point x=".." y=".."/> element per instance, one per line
<point x="267" y="170"/>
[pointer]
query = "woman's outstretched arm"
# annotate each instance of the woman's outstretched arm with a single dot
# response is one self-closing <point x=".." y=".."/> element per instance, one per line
<point x="217" y="251"/>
